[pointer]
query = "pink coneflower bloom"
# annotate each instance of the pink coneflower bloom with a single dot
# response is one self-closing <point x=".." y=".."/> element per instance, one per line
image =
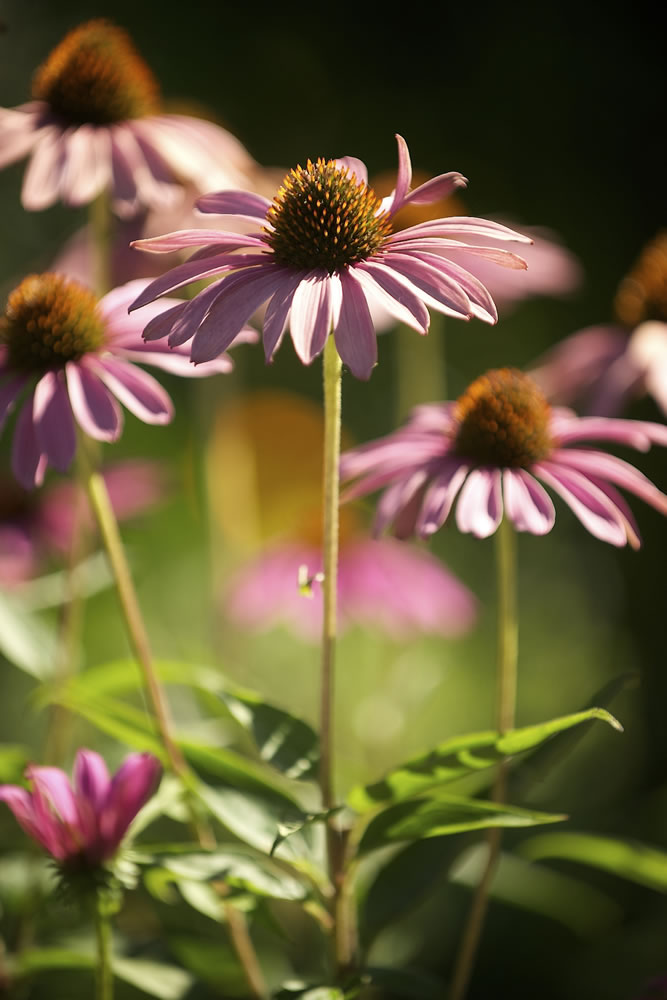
<point x="397" y="589"/>
<point x="324" y="252"/>
<point x="77" y="357"/>
<point x="94" y="124"/>
<point x="488" y="452"/>
<point x="82" y="826"/>
<point x="603" y="366"/>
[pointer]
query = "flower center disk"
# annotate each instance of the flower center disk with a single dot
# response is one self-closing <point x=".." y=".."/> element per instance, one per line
<point x="642" y="295"/>
<point x="50" y="320"/>
<point x="322" y="217"/>
<point x="503" y="420"/>
<point x="96" y="76"/>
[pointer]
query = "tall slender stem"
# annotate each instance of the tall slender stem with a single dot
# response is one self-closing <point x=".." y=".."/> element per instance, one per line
<point x="104" y="972"/>
<point x="507" y="652"/>
<point x="330" y="500"/>
<point x="421" y="368"/>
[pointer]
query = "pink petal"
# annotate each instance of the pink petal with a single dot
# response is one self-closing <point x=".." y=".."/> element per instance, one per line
<point x="403" y="177"/>
<point x="354" y="332"/>
<point x="480" y="506"/>
<point x="9" y="390"/>
<point x="277" y="314"/>
<point x="593" y="508"/>
<point x="18" y="134"/>
<point x="41" y="182"/>
<point x="440" y="496"/>
<point x="355" y="167"/>
<point x="21" y="804"/>
<point x="184" y="274"/>
<point x="161" y="325"/>
<point x="240" y="296"/>
<point x="310" y="316"/>
<point x="186" y="238"/>
<point x="95" y="409"/>
<point x="393" y="294"/>
<point x="435" y="289"/>
<point x="637" y="434"/>
<point x="609" y="467"/>
<point x="239" y="203"/>
<point x="131" y="787"/>
<point x="465" y="224"/>
<point x="54" y="424"/>
<point x="28" y="461"/>
<point x="396" y="499"/>
<point x="436" y="188"/>
<point x="527" y="504"/>
<point x="87" y="166"/>
<point x="136" y="389"/>
<point x="91" y="778"/>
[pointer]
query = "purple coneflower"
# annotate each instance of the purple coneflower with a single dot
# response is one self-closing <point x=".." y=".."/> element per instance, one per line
<point x="76" y="356"/>
<point x="94" y="124"/>
<point x="81" y="827"/>
<point x="489" y="449"/>
<point x="324" y="253"/>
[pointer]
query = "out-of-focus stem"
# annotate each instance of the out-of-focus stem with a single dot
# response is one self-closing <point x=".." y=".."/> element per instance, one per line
<point x="104" y="972"/>
<point x="101" y="221"/>
<point x="421" y="369"/>
<point x="508" y="650"/>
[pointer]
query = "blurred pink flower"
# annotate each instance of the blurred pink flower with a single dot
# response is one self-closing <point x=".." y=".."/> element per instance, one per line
<point x="325" y="251"/>
<point x="95" y="125"/>
<point x="77" y="357"/>
<point x="82" y="826"/>
<point x="489" y="449"/>
<point x="602" y="367"/>
<point x="400" y="590"/>
<point x="33" y="526"/>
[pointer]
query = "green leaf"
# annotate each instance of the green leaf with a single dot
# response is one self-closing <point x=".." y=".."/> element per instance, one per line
<point x="628" y="859"/>
<point x="13" y="759"/>
<point x="25" y="639"/>
<point x="213" y="962"/>
<point x="255" y="820"/>
<point x="283" y="741"/>
<point x="419" y="818"/>
<point x="239" y="868"/>
<point x="287" y="829"/>
<point x="462" y="755"/>
<point x="41" y="959"/>
<point x="234" y="769"/>
<point x="166" y="982"/>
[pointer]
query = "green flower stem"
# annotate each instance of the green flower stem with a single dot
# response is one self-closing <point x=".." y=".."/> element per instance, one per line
<point x="330" y="499"/>
<point x="101" y="505"/>
<point x="104" y="972"/>
<point x="420" y="363"/>
<point x="508" y="650"/>
<point x="101" y="223"/>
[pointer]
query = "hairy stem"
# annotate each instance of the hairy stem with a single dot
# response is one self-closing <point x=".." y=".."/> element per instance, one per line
<point x="508" y="649"/>
<point x="104" y="972"/>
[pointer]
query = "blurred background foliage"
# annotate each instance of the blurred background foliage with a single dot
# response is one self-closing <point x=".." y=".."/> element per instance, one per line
<point x="554" y="114"/>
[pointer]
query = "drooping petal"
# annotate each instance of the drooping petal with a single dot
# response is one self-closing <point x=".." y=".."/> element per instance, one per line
<point x="354" y="332"/>
<point x="310" y="316"/>
<point x="28" y="460"/>
<point x="94" y="408"/>
<point x="396" y="499"/>
<point x="393" y="294"/>
<point x="593" y="508"/>
<point x="484" y="228"/>
<point x="161" y="326"/>
<point x="41" y="181"/>
<point x="440" y="496"/>
<point x="184" y="274"/>
<point x="480" y="506"/>
<point x="613" y="469"/>
<point x="87" y="164"/>
<point x="136" y="389"/>
<point x="240" y="296"/>
<point x="18" y="133"/>
<point x="277" y="315"/>
<point x="21" y="804"/>
<point x="436" y="289"/>
<point x="639" y="434"/>
<point x="527" y="504"/>
<point x="54" y="424"/>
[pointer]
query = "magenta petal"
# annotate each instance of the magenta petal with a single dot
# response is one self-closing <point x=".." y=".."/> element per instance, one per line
<point x="480" y="506"/>
<point x="137" y="390"/>
<point x="21" y="804"/>
<point x="54" y="424"/>
<point x="354" y="332"/>
<point x="95" y="409"/>
<point x="310" y="316"/>
<point x="527" y="504"/>
<point x="91" y="778"/>
<point x="131" y="787"/>
<point x="28" y="461"/>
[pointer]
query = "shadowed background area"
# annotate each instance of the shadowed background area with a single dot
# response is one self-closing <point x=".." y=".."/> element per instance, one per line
<point x="554" y="114"/>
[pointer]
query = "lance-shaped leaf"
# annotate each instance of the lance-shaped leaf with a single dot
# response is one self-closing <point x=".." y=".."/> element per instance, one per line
<point x="626" y="858"/>
<point x="461" y="755"/>
<point x="434" y="817"/>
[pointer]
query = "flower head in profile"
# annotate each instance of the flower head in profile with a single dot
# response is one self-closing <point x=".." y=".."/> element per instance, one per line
<point x="81" y="825"/>
<point x="95" y="124"/>
<point x="74" y="358"/>
<point x="604" y="366"/>
<point x="490" y="452"/>
<point x="323" y="253"/>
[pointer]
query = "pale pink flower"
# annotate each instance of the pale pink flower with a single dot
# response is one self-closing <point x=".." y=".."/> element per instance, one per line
<point x="82" y="826"/>
<point x="397" y="589"/>
<point x="95" y="125"/>
<point x="324" y="252"/>
<point x="76" y="358"/>
<point x="490" y="451"/>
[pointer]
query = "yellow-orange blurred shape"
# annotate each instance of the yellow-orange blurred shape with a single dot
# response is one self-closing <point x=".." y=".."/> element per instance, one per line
<point x="642" y="295"/>
<point x="414" y="215"/>
<point x="264" y="467"/>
